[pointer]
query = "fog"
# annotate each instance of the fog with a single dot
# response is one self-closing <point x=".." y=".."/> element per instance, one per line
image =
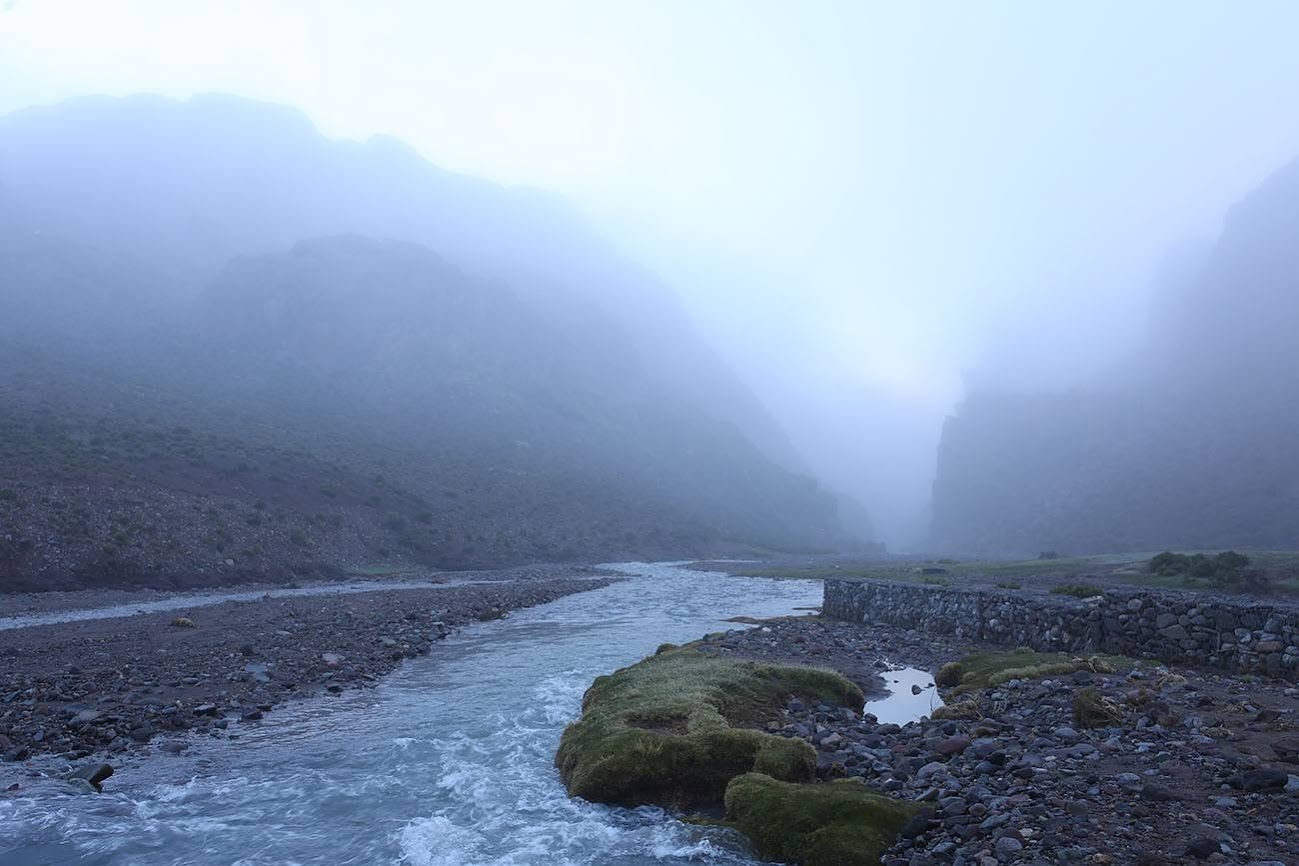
<point x="868" y="212"/>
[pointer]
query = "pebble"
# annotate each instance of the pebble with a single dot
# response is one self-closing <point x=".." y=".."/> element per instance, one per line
<point x="100" y="687"/>
<point x="1023" y="783"/>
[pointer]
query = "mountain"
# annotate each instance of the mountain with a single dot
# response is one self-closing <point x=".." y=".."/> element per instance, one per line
<point x="185" y="186"/>
<point x="1190" y="445"/>
<point x="233" y="348"/>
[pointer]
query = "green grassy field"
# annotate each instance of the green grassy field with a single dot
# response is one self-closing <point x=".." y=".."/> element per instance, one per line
<point x="1280" y="567"/>
<point x="907" y="570"/>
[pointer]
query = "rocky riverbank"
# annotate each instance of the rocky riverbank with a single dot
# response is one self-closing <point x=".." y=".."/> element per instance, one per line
<point x="1184" y="766"/>
<point x="134" y="684"/>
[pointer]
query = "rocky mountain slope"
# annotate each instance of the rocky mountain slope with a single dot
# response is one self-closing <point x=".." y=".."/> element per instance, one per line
<point x="232" y="348"/>
<point x="1191" y="446"/>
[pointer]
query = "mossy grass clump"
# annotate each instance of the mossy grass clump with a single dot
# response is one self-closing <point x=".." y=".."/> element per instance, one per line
<point x="840" y="823"/>
<point x="985" y="670"/>
<point x="1077" y="590"/>
<point x="1091" y="709"/>
<point x="661" y="731"/>
<point x="965" y="710"/>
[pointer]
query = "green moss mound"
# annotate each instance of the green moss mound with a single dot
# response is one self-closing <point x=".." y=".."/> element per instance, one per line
<point x="660" y="731"/>
<point x="829" y="824"/>
<point x="985" y="670"/>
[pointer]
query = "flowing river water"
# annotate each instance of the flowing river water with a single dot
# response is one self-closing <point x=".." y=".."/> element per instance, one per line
<point x="447" y="763"/>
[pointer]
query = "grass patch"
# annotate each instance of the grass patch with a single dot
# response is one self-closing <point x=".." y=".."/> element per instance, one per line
<point x="660" y="731"/>
<point x="907" y="570"/>
<point x="1270" y="571"/>
<point x="1091" y="709"/>
<point x="831" y="824"/>
<point x="985" y="670"/>
<point x="967" y="710"/>
<point x="1078" y="590"/>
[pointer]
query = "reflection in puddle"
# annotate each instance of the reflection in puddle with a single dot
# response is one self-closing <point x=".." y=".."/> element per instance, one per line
<point x="902" y="705"/>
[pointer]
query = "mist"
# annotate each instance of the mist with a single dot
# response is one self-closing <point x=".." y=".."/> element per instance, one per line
<point x="648" y="434"/>
<point x="868" y="214"/>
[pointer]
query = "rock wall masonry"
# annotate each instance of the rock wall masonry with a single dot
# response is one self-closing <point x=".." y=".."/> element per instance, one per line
<point x="1169" y="626"/>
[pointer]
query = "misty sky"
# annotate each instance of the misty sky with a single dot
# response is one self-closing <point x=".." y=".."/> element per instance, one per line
<point x="859" y="202"/>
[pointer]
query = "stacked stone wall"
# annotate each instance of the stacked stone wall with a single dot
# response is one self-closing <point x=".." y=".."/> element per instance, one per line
<point x="1170" y="626"/>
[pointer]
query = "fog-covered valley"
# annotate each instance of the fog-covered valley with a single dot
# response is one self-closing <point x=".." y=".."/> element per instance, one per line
<point x="489" y="381"/>
<point x="648" y="434"/>
<point x="1186" y="443"/>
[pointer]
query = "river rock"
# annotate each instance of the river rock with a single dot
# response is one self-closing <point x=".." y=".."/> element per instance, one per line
<point x="1203" y="848"/>
<point x="92" y="774"/>
<point x="1261" y="780"/>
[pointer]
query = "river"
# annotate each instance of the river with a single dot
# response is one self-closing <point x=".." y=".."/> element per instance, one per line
<point x="447" y="763"/>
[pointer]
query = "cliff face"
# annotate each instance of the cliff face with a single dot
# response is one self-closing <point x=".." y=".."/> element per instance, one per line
<point x="1196" y="448"/>
<point x="231" y="347"/>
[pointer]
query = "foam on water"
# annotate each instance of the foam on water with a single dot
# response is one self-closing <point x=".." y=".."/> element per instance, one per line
<point x="513" y="816"/>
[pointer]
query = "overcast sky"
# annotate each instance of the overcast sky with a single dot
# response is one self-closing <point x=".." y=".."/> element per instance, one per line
<point x="858" y="201"/>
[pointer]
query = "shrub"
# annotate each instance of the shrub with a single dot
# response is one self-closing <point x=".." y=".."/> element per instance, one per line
<point x="1226" y="568"/>
<point x="949" y="675"/>
<point x="1048" y="554"/>
<point x="1009" y="584"/>
<point x="298" y="537"/>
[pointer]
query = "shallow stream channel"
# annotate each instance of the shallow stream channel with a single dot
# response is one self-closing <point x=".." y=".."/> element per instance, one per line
<point x="448" y="762"/>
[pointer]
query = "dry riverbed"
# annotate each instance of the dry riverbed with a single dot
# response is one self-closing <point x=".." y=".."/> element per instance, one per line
<point x="1195" y="767"/>
<point x="139" y="683"/>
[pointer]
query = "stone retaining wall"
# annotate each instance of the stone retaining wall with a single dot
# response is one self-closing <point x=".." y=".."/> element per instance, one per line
<point x="1169" y="626"/>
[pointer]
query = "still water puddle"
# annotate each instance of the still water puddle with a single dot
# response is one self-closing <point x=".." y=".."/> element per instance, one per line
<point x="903" y="704"/>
